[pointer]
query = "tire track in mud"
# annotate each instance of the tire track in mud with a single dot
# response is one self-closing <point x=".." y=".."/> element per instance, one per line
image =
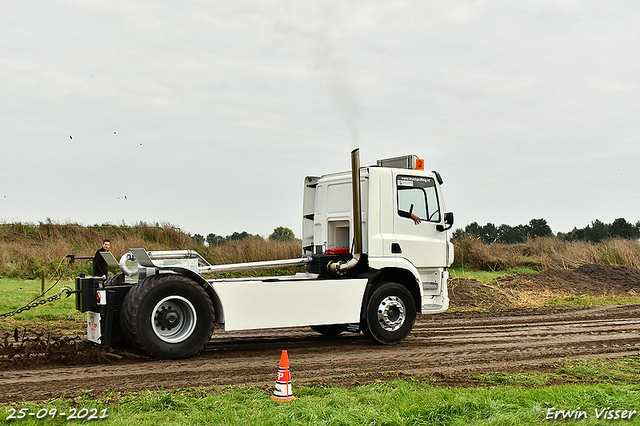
<point x="447" y="343"/>
<point x="604" y="331"/>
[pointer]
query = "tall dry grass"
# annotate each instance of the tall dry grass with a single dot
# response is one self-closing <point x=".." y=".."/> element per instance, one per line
<point x="545" y="253"/>
<point x="251" y="250"/>
<point x="27" y="250"/>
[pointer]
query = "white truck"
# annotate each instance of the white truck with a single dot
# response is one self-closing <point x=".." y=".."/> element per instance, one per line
<point x="376" y="250"/>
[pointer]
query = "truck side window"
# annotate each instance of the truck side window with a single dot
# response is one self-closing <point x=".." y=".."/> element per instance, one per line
<point x="418" y="195"/>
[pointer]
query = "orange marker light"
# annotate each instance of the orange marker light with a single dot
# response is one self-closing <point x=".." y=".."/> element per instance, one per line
<point x="419" y="164"/>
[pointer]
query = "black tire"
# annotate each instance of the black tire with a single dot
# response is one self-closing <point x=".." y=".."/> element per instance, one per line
<point x="167" y="316"/>
<point x="391" y="313"/>
<point x="115" y="280"/>
<point x="329" y="330"/>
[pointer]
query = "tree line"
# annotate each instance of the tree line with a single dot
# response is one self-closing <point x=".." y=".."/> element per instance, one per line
<point x="598" y="231"/>
<point x="489" y="233"/>
<point x="280" y="233"/>
<point x="595" y="232"/>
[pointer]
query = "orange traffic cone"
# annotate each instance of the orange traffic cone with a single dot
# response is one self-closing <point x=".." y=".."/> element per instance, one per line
<point x="283" y="390"/>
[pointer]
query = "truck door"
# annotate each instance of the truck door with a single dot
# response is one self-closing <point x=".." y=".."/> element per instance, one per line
<point x="422" y="244"/>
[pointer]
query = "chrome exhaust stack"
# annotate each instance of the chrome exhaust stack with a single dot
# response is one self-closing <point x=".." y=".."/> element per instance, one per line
<point x="357" y="201"/>
<point x="341" y="267"/>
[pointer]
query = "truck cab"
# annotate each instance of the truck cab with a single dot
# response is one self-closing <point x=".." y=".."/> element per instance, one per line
<point x="391" y="191"/>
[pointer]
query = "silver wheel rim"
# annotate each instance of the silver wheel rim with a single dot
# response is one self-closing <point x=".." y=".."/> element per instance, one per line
<point x="391" y="313"/>
<point x="174" y="319"/>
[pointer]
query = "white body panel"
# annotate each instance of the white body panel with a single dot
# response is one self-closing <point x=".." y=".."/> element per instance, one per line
<point x="277" y="302"/>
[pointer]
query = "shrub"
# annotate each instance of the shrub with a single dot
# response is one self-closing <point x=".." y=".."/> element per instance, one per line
<point x="545" y="253"/>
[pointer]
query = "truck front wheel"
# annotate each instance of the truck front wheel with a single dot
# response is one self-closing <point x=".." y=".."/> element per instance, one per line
<point x="390" y="315"/>
<point x="167" y="316"/>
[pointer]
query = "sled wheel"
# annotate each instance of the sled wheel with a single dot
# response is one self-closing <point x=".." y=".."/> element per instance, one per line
<point x="167" y="316"/>
<point x="391" y="313"/>
<point x="329" y="330"/>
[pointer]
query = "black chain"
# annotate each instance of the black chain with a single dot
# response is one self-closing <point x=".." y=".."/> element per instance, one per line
<point x="57" y="296"/>
<point x="35" y="302"/>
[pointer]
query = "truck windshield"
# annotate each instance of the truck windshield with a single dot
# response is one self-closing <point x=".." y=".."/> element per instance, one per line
<point x="418" y="195"/>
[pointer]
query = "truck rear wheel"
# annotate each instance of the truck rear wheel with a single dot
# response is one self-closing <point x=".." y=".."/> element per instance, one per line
<point x="167" y="316"/>
<point x="391" y="313"/>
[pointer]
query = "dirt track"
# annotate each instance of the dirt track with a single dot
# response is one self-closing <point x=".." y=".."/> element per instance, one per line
<point x="447" y="348"/>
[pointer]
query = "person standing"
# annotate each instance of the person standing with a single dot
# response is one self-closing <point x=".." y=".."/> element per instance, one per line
<point x="100" y="266"/>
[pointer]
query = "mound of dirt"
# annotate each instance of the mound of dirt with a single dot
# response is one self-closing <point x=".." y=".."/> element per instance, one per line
<point x="523" y="290"/>
<point x="623" y="276"/>
<point x="466" y="293"/>
<point x="28" y="348"/>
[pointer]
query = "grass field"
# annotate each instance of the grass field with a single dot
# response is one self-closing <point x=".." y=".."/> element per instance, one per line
<point x="59" y="316"/>
<point x="525" y="399"/>
<point x="488" y="276"/>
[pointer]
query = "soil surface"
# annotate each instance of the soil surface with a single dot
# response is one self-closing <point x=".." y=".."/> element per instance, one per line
<point x="448" y="348"/>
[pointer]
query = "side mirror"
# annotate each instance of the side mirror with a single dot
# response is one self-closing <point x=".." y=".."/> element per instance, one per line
<point x="448" y="220"/>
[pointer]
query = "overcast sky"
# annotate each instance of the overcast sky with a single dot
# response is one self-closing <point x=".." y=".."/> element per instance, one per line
<point x="209" y="114"/>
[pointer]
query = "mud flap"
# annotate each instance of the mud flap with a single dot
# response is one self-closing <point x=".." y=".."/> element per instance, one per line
<point x="102" y="305"/>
